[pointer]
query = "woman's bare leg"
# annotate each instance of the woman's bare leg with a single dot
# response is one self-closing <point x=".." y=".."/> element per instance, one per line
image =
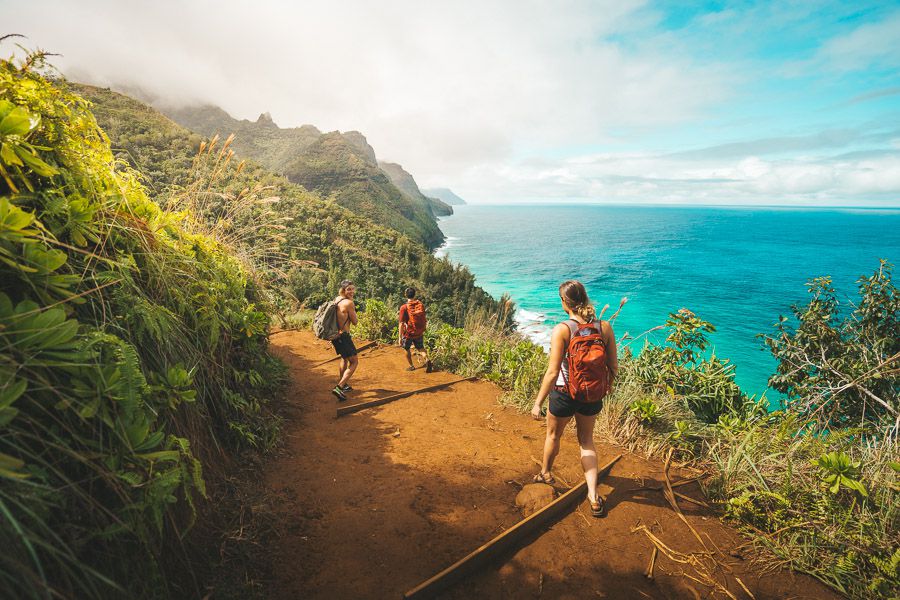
<point x="555" y="428"/>
<point x="585" y="427"/>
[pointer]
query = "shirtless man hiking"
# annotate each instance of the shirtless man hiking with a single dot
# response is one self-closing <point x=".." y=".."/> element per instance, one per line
<point x="343" y="344"/>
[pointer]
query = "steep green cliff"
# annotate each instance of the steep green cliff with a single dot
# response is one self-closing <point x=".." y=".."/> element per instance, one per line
<point x="338" y="165"/>
<point x="406" y="184"/>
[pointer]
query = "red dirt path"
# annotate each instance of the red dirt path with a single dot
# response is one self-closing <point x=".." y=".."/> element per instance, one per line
<point x="376" y="502"/>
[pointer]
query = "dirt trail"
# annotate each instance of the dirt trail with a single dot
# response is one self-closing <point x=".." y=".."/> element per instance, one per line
<point x="374" y="503"/>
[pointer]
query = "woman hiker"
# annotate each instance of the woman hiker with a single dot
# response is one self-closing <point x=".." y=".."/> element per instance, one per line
<point x="582" y="367"/>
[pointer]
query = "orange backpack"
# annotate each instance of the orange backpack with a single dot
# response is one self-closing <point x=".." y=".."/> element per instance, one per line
<point x="588" y="378"/>
<point x="415" y="326"/>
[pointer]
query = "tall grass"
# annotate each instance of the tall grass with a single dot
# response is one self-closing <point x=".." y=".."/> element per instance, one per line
<point x="132" y="357"/>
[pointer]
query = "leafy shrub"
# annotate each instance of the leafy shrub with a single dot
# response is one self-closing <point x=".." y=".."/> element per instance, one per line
<point x="377" y="322"/>
<point x="507" y="359"/>
<point x="841" y="367"/>
<point x="645" y="409"/>
<point x="838" y="471"/>
<point x="705" y="385"/>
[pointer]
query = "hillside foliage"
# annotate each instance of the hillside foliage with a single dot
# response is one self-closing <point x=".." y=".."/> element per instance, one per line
<point x="840" y="366"/>
<point x="406" y="184"/>
<point x="323" y="241"/>
<point x="341" y="166"/>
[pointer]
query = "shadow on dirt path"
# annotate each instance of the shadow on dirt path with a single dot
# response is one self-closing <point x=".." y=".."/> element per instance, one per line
<point x="374" y="503"/>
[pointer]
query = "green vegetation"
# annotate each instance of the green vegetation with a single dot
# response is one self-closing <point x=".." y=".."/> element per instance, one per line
<point x="133" y="359"/>
<point x="839" y="369"/>
<point x="261" y="140"/>
<point x="323" y="242"/>
<point x="406" y="184"/>
<point x="335" y="167"/>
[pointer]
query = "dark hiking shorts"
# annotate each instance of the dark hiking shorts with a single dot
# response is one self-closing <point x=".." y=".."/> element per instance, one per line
<point x="562" y="405"/>
<point x="408" y="342"/>
<point x="343" y="345"/>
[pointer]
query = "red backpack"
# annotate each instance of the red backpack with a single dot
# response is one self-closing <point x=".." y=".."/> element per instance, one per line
<point x="415" y="325"/>
<point x="588" y="379"/>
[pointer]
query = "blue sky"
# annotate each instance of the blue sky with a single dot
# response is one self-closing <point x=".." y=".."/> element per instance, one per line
<point x="626" y="101"/>
<point x="799" y="71"/>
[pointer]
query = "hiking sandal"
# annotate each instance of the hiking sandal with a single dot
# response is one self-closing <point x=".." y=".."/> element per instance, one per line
<point x="544" y="478"/>
<point x="598" y="508"/>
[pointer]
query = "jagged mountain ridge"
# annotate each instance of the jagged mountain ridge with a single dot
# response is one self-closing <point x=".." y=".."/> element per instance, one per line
<point x="342" y="166"/>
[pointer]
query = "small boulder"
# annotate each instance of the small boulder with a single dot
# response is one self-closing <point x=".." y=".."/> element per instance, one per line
<point x="534" y="497"/>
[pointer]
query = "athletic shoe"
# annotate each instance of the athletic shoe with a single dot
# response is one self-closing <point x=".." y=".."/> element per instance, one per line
<point x="347" y="387"/>
<point x="339" y="393"/>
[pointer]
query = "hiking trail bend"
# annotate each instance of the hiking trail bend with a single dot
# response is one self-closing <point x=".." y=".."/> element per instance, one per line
<point x="372" y="504"/>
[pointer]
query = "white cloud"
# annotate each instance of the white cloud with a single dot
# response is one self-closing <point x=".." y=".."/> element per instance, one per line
<point x="433" y="86"/>
<point x="490" y="98"/>
<point x="872" y="43"/>
<point x="871" y="178"/>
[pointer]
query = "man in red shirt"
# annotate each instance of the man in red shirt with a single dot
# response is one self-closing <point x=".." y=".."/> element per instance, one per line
<point x="411" y="328"/>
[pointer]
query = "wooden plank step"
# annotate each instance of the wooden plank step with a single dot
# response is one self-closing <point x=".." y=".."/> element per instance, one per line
<point x="365" y="346"/>
<point x="510" y="538"/>
<point x="346" y="410"/>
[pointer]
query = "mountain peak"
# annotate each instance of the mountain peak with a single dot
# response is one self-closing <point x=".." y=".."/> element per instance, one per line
<point x="265" y="119"/>
<point x="359" y="141"/>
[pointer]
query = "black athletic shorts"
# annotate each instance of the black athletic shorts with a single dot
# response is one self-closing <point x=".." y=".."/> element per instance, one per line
<point x="343" y="345"/>
<point x="562" y="405"/>
<point x="407" y="342"/>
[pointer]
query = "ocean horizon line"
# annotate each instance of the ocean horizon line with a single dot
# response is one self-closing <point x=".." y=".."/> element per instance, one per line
<point x="546" y="203"/>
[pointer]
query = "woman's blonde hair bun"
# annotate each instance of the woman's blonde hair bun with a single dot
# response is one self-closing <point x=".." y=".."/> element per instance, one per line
<point x="575" y="297"/>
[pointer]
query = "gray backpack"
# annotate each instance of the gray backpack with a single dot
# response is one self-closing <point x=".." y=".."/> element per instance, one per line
<point x="325" y="323"/>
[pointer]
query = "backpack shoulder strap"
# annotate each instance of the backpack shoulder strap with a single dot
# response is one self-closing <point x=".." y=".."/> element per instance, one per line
<point x="598" y="323"/>
<point x="337" y="306"/>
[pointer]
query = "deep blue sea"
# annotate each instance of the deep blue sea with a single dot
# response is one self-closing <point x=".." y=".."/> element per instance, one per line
<point x="738" y="268"/>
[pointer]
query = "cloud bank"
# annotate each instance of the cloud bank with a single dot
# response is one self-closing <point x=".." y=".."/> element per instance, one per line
<point x="507" y="101"/>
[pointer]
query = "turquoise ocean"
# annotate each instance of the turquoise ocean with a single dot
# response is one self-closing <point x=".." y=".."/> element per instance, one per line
<point x="738" y="268"/>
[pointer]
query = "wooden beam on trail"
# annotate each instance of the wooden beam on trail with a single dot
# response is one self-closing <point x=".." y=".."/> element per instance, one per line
<point x="365" y="346"/>
<point x="510" y="538"/>
<point x="346" y="410"/>
<point x="271" y="333"/>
